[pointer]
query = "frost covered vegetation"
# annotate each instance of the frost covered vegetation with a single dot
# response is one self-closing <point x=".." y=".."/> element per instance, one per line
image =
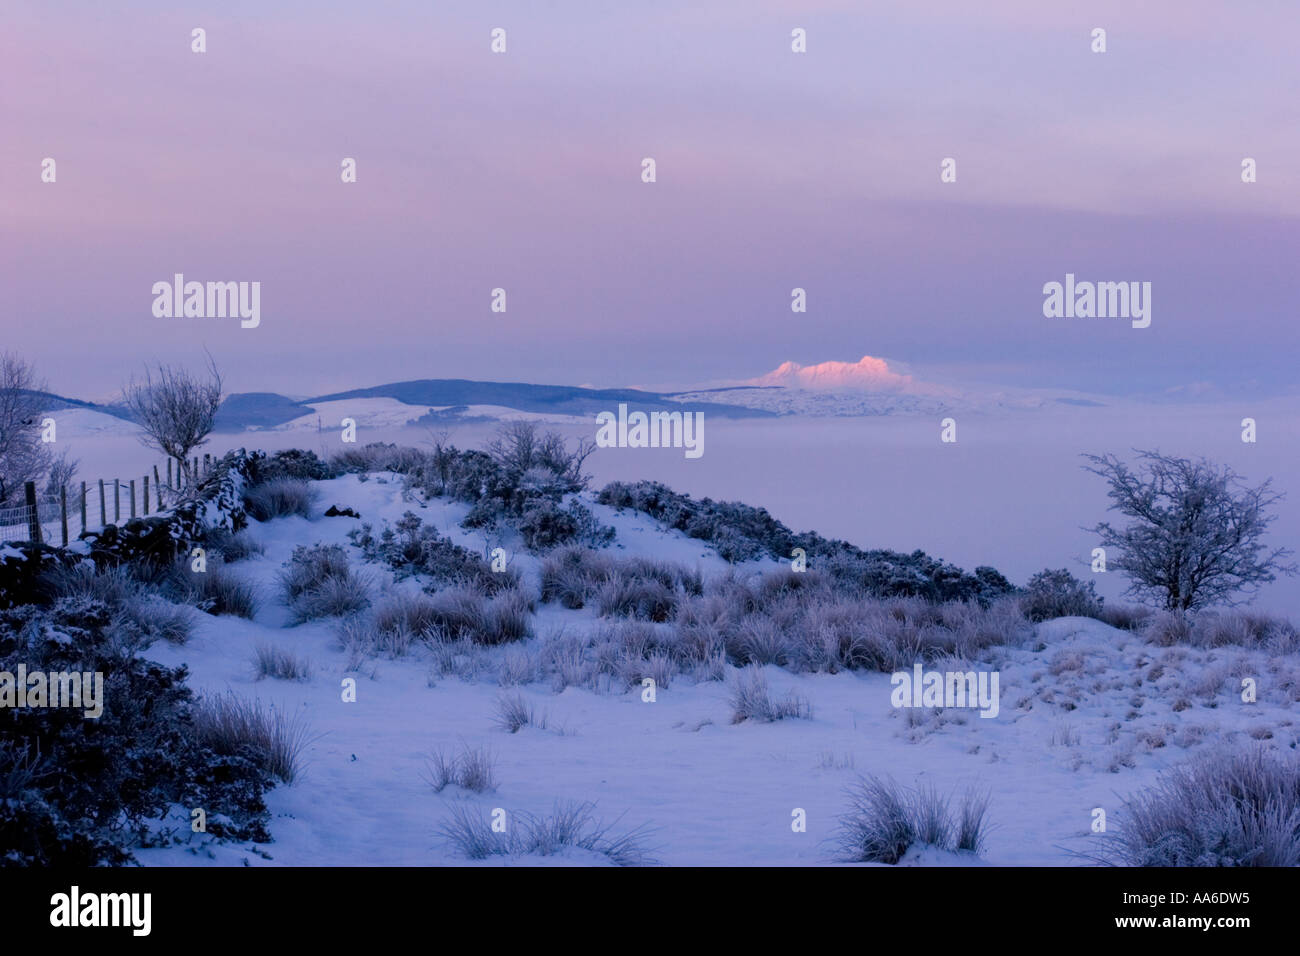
<point x="570" y="826"/>
<point x="740" y="532"/>
<point x="1221" y="809"/>
<point x="81" y="793"/>
<point x="885" y="821"/>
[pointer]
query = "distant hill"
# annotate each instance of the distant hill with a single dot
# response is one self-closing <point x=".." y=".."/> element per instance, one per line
<point x="53" y="403"/>
<point x="245" y="410"/>
<point x="539" y="399"/>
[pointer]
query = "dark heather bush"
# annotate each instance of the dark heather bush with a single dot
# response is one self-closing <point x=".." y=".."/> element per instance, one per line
<point x="519" y="483"/>
<point x="1052" y="594"/>
<point x="740" y="532"/>
<point x="620" y="587"/>
<point x="294" y="464"/>
<point x="318" y="582"/>
<point x="232" y="547"/>
<point x="376" y="456"/>
<point x="805" y="622"/>
<point x="216" y="590"/>
<point x="411" y="547"/>
<point x="79" y="792"/>
<point x="280" y="498"/>
<point x="885" y="820"/>
<point x="141" y="614"/>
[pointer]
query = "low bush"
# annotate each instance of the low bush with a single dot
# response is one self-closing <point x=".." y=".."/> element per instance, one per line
<point x="1221" y="628"/>
<point x="318" y="582"/>
<point x="751" y="700"/>
<point x="1052" y="594"/>
<point x="740" y="532"/>
<point x="280" y="664"/>
<point x="215" y="590"/>
<point x="470" y="769"/>
<point x="411" y="547"/>
<point x="232" y="547"/>
<point x="280" y="498"/>
<point x="86" y="792"/>
<point x="234" y="726"/>
<point x="884" y="821"/>
<point x="569" y="826"/>
<point x="1223" y="809"/>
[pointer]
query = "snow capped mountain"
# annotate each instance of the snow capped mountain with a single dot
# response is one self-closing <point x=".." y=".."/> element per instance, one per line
<point x="867" y="374"/>
<point x="872" y="386"/>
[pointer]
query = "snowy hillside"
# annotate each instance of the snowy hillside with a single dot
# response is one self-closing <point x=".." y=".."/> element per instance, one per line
<point x="1088" y="714"/>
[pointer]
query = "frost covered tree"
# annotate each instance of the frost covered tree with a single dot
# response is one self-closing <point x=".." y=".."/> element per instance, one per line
<point x="23" y="457"/>
<point x="175" y="409"/>
<point x="519" y="449"/>
<point x="1196" y="536"/>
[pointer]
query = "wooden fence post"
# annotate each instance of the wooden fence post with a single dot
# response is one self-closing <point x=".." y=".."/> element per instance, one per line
<point x="103" y="507"/>
<point x="146" y="494"/>
<point x="33" y="518"/>
<point x="63" y="513"/>
<point x="157" y="489"/>
<point x="117" y="501"/>
<point x="169" y="473"/>
<point x="132" y="497"/>
<point x="83" y="507"/>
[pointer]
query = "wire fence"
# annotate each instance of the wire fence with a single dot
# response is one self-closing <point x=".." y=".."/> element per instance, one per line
<point x="59" y="516"/>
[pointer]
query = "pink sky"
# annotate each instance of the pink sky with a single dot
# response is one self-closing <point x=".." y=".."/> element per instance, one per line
<point x="775" y="170"/>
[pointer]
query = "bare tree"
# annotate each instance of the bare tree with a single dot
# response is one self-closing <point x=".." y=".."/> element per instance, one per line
<point x="519" y="448"/>
<point x="62" y="469"/>
<point x="23" y="457"/>
<point x="442" y="456"/>
<point x="1196" y="536"/>
<point x="175" y="409"/>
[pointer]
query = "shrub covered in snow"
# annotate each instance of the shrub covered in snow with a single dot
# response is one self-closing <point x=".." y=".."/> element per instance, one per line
<point x="1052" y="594"/>
<point x="518" y="483"/>
<point x="813" y="625"/>
<point x="1223" y="809"/>
<point x="411" y="547"/>
<point x="740" y="532"/>
<point x="569" y="826"/>
<point x="620" y="587"/>
<point x="215" y="590"/>
<point x="294" y="463"/>
<point x="885" y="820"/>
<point x="751" y="700"/>
<point x="141" y="615"/>
<point x="81" y="792"/>
<point x="280" y="498"/>
<point x="318" y="582"/>
<point x="1220" y="629"/>
<point x="233" y="726"/>
<point x="470" y="769"/>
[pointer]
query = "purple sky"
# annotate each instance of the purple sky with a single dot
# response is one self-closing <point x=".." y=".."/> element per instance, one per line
<point x="775" y="170"/>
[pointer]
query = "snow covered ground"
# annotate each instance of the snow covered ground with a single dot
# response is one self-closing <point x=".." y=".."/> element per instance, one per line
<point x="1088" y="715"/>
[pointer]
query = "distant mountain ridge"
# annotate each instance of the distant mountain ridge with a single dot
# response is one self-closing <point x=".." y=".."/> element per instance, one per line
<point x="244" y="410"/>
<point x="540" y="399"/>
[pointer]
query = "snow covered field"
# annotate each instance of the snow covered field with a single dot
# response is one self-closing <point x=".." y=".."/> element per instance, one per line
<point x="1088" y="714"/>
